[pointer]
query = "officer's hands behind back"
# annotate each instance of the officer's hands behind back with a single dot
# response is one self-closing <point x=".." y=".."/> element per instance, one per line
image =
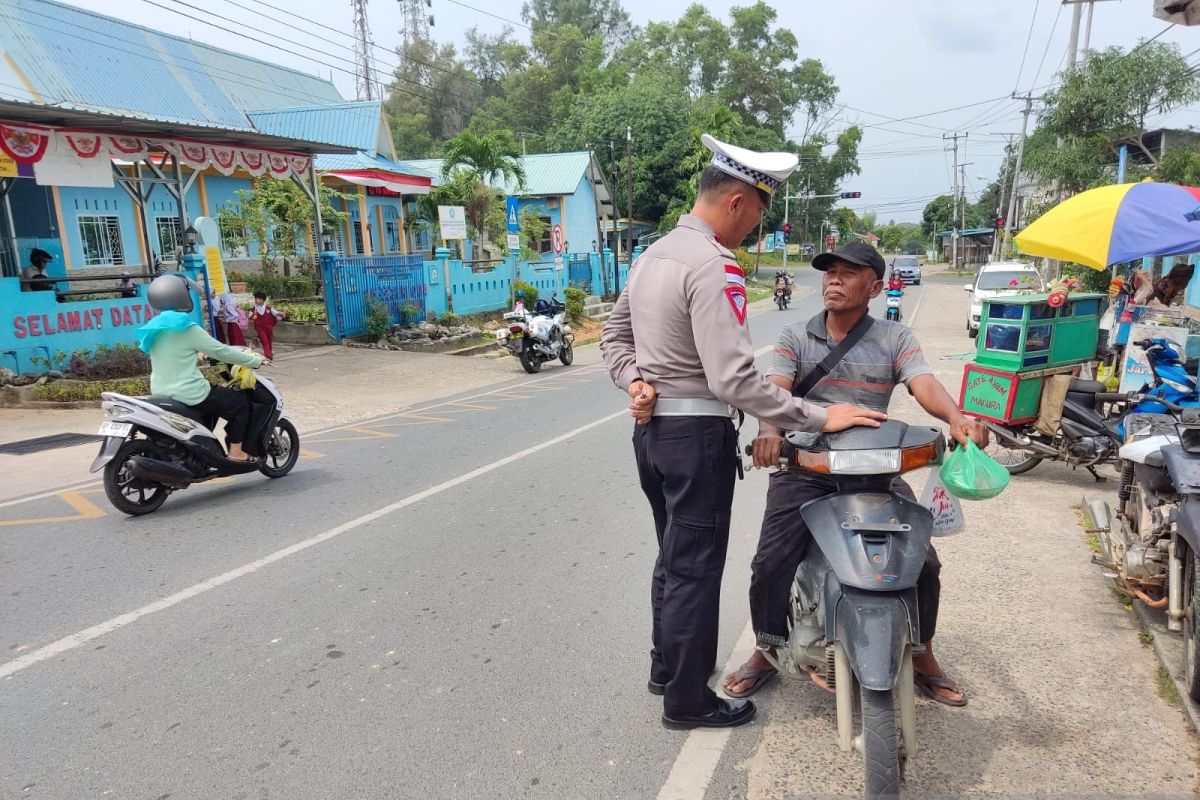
<point x="843" y="416"/>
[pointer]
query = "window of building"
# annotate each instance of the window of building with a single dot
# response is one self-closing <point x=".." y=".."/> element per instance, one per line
<point x="546" y="244"/>
<point x="101" y="237"/>
<point x="391" y="236"/>
<point x="358" y="238"/>
<point x="170" y="235"/>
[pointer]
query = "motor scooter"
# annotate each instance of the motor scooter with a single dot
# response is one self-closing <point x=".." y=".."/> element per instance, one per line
<point x="154" y="446"/>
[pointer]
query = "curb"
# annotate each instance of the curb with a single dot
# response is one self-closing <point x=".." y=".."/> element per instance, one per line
<point x="1146" y="617"/>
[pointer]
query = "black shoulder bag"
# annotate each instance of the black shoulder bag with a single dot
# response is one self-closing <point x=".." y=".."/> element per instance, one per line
<point x="834" y="357"/>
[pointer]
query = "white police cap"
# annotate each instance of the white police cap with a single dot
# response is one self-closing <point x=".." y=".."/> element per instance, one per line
<point x="765" y="171"/>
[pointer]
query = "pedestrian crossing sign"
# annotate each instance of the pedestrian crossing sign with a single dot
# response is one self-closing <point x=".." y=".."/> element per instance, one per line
<point x="511" y="214"/>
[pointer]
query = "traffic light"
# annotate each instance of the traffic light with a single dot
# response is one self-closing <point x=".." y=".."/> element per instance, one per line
<point x="850" y="195"/>
<point x="999" y="223"/>
<point x="787" y="232"/>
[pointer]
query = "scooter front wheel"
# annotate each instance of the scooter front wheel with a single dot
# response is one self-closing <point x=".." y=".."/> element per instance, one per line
<point x="283" y="449"/>
<point x="880" y="745"/>
<point x="128" y="493"/>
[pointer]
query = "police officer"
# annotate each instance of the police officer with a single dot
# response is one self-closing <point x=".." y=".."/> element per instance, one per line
<point x="677" y="342"/>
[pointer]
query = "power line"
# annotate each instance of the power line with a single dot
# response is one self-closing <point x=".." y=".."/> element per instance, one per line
<point x="1049" y="40"/>
<point x="1028" y="38"/>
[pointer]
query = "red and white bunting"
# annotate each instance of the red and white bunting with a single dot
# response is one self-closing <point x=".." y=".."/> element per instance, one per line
<point x="223" y="159"/>
<point x="24" y="145"/>
<point x="129" y="148"/>
<point x="299" y="165"/>
<point x="279" y="165"/>
<point x="85" y="145"/>
<point x="253" y="161"/>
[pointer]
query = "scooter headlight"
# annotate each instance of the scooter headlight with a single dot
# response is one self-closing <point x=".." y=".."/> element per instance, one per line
<point x="864" y="462"/>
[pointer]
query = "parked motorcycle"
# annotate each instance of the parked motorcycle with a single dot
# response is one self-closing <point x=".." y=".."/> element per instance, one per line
<point x="893" y="304"/>
<point x="1091" y="429"/>
<point x="854" y="606"/>
<point x="538" y="337"/>
<point x="154" y="446"/>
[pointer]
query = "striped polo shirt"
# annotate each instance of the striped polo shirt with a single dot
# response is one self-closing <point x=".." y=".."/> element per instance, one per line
<point x="886" y="356"/>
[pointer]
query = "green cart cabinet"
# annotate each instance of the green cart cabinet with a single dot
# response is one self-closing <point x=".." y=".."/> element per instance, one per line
<point x="1024" y="332"/>
<point x="1004" y="397"/>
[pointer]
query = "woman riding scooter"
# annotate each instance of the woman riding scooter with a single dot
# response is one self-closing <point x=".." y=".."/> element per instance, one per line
<point x="174" y="343"/>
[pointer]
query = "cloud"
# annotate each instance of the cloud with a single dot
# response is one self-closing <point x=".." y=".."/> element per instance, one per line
<point x="956" y="27"/>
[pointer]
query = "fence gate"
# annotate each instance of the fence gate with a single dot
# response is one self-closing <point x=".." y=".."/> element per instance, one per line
<point x="398" y="281"/>
<point x="579" y="272"/>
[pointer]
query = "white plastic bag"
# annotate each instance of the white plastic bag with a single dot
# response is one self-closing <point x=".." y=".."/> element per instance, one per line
<point x="947" y="511"/>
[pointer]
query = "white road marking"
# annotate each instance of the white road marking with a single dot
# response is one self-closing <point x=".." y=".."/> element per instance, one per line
<point x="8" y="669"/>
<point x="697" y="760"/>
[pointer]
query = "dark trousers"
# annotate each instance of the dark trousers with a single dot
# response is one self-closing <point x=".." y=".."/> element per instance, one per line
<point x="230" y="405"/>
<point x="782" y="543"/>
<point x="687" y="467"/>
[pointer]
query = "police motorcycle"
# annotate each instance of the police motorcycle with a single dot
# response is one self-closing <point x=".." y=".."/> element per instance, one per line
<point x="537" y="337"/>
<point x="853" y="610"/>
<point x="1091" y="430"/>
<point x="783" y="290"/>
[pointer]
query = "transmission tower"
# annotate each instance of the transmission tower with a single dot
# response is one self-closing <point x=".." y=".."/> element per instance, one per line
<point x="417" y="20"/>
<point x="365" y="78"/>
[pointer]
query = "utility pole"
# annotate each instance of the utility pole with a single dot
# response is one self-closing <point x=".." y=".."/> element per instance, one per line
<point x="1012" y="198"/>
<point x="1008" y="137"/>
<point x="1073" y="45"/>
<point x="787" y="196"/>
<point x="629" y="187"/>
<point x="954" y="202"/>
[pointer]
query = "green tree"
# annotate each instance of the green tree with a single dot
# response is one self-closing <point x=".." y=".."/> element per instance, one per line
<point x="277" y="217"/>
<point x="424" y="105"/>
<point x="938" y="215"/>
<point x="1103" y="105"/>
<point x="891" y="236"/>
<point x="1181" y="165"/>
<point x="604" y="19"/>
<point x="492" y="159"/>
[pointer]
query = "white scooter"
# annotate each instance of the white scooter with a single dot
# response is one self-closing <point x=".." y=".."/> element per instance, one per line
<point x="538" y="337"/>
<point x="154" y="446"/>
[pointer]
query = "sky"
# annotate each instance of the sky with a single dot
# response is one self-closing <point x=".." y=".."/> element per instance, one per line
<point x="941" y="66"/>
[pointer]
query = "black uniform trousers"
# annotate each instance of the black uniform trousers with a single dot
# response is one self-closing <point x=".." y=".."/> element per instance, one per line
<point x="782" y="543"/>
<point x="687" y="467"/>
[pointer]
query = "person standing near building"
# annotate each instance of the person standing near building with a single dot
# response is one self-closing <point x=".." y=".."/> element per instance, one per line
<point x="34" y="278"/>
<point x="264" y="316"/>
<point x="677" y="342"/>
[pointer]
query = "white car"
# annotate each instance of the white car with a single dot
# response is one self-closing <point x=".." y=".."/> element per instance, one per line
<point x="1000" y="278"/>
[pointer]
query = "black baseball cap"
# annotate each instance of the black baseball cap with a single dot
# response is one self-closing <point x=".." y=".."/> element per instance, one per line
<point x="860" y="253"/>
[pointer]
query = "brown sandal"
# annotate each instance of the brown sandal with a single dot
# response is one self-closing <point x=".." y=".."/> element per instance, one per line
<point x="927" y="684"/>
<point x="760" y="676"/>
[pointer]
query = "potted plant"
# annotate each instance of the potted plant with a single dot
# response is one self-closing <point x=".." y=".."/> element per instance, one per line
<point x="237" y="283"/>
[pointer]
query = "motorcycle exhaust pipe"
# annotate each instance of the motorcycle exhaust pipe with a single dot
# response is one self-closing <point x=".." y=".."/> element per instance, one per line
<point x="158" y="471"/>
<point x="1022" y="441"/>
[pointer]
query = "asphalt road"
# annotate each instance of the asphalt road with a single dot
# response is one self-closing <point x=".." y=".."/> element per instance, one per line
<point x="444" y="603"/>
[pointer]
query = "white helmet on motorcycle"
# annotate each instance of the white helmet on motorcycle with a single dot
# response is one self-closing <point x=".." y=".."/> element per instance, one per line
<point x="172" y="293"/>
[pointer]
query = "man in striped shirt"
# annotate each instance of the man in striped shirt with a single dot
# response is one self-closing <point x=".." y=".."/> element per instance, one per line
<point x="888" y="355"/>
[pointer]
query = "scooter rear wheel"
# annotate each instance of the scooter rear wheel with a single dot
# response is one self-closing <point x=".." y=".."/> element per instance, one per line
<point x="880" y="745"/>
<point x="283" y="450"/>
<point x="1010" y="456"/>
<point x="529" y="361"/>
<point x="129" y="494"/>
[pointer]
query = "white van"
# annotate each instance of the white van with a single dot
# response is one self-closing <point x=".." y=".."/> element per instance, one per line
<point x="999" y="278"/>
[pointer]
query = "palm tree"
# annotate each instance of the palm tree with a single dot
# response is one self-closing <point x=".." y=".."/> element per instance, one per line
<point x="472" y="165"/>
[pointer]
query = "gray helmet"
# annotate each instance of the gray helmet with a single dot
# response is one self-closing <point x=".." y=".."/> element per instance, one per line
<point x="171" y="293"/>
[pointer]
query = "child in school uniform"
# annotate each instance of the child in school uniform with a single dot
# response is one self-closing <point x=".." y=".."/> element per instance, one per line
<point x="265" y="316"/>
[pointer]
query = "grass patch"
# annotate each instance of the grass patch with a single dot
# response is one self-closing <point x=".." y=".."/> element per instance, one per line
<point x="1125" y="600"/>
<point x="1145" y="635"/>
<point x="1167" y="689"/>
<point x="74" y="391"/>
<point x="1093" y="543"/>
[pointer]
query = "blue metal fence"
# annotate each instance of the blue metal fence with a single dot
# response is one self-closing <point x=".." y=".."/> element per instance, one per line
<point x="398" y="281"/>
<point x="579" y="272"/>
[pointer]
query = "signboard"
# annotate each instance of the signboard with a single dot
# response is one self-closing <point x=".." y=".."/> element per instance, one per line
<point x="514" y="242"/>
<point x="215" y="268"/>
<point x="512" y="214"/>
<point x="8" y="166"/>
<point x="830" y="241"/>
<point x="1135" y="368"/>
<point x="556" y="236"/>
<point x="768" y="245"/>
<point x="453" y="222"/>
<point x="558" y="263"/>
<point x="808" y="248"/>
<point x="61" y="167"/>
<point x="780" y="242"/>
<point x="382" y="191"/>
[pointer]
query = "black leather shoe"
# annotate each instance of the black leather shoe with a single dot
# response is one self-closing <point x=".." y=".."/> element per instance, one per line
<point x="729" y="714"/>
<point x="656" y="688"/>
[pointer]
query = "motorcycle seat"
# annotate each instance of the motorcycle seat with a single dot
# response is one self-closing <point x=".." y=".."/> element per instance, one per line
<point x="182" y="409"/>
<point x="1184" y="469"/>
<point x="1090" y="387"/>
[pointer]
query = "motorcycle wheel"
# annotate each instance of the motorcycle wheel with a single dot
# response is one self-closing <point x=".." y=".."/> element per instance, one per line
<point x="566" y="354"/>
<point x="128" y="494"/>
<point x="529" y="361"/>
<point x="1191" y="626"/>
<point x="1014" y="459"/>
<point x="779" y="301"/>
<point x="880" y="745"/>
<point x="282" y="451"/>
<point x="972" y="332"/>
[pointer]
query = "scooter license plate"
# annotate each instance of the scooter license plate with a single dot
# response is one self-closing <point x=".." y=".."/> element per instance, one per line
<point x="120" y="429"/>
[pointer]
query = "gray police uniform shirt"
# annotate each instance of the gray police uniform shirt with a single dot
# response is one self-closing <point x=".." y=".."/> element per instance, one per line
<point x="680" y="325"/>
<point x="887" y="356"/>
